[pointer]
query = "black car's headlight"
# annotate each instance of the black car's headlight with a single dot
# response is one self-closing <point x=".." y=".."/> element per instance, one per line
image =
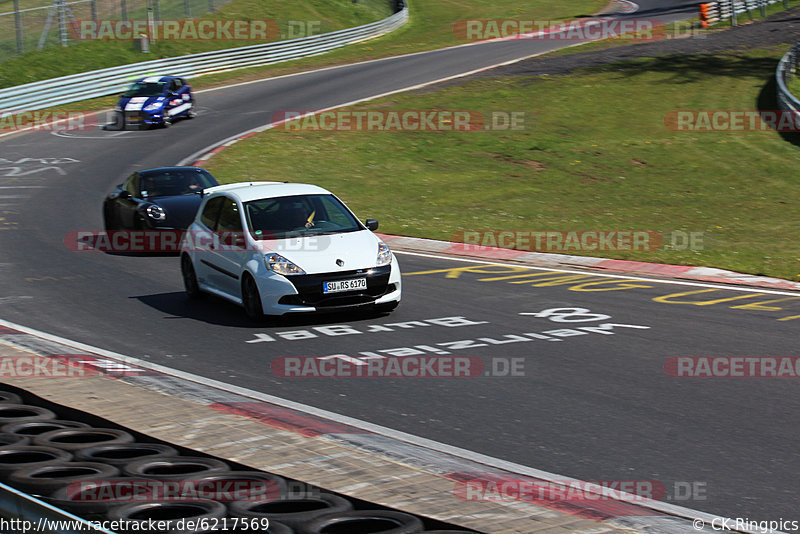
<point x="155" y="212"/>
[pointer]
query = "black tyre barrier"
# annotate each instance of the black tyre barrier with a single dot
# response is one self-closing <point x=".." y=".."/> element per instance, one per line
<point x="100" y="510"/>
<point x="10" y="398"/>
<point x="175" y="467"/>
<point x="229" y="526"/>
<point x="16" y="413"/>
<point x="92" y="499"/>
<point x="46" y="479"/>
<point x="9" y="438"/>
<point x="236" y="486"/>
<point x="34" y="428"/>
<point x="294" y="510"/>
<point x="176" y="514"/>
<point x="364" y="522"/>
<point x="14" y="458"/>
<point x="120" y="454"/>
<point x="72" y="439"/>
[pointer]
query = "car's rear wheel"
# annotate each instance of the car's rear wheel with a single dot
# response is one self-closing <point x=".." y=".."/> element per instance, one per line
<point x="251" y="300"/>
<point x="190" y="278"/>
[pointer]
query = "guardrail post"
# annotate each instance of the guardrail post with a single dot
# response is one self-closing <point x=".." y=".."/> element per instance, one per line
<point x="62" y="22"/>
<point x="763" y="8"/>
<point x="18" y="26"/>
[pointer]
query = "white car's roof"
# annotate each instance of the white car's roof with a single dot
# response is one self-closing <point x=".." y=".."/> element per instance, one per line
<point x="247" y="191"/>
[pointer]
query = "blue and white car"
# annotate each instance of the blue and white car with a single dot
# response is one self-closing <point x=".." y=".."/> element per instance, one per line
<point x="155" y="101"/>
<point x="278" y="248"/>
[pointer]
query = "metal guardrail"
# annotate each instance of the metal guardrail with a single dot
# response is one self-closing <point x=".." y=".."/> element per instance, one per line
<point x="786" y="71"/>
<point x="23" y="514"/>
<point x="729" y="9"/>
<point x="93" y="84"/>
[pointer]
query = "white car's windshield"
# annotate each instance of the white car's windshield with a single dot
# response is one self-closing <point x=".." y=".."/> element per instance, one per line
<point x="298" y="216"/>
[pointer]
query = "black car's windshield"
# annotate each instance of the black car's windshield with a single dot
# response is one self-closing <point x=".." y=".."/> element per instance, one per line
<point x="298" y="216"/>
<point x="171" y="182"/>
<point x="145" y="89"/>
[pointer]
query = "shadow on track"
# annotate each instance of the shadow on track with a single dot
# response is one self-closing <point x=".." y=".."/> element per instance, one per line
<point x="218" y="311"/>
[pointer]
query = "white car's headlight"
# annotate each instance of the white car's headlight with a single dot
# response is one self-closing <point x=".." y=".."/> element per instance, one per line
<point x="155" y="106"/>
<point x="156" y="213"/>
<point x="280" y="265"/>
<point x="384" y="254"/>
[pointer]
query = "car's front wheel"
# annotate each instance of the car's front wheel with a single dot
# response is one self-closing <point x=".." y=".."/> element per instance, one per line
<point x="108" y="219"/>
<point x="251" y="300"/>
<point x="190" y="278"/>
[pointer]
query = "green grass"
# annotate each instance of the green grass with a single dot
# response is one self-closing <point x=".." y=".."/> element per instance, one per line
<point x="595" y="154"/>
<point x="430" y="27"/>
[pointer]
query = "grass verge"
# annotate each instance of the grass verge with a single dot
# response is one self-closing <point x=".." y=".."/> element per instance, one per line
<point x="595" y="154"/>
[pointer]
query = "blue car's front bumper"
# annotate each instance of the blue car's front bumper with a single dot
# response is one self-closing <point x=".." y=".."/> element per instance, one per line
<point x="141" y="119"/>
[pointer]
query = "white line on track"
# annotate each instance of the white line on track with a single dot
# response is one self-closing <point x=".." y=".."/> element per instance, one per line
<point x="749" y="289"/>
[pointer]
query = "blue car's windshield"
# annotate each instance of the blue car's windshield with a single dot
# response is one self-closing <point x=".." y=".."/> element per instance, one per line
<point x="145" y="89"/>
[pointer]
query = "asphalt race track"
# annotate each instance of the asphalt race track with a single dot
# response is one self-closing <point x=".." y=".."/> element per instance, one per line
<point x="593" y="401"/>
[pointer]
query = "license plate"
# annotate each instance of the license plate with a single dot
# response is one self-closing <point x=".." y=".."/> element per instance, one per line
<point x="344" y="285"/>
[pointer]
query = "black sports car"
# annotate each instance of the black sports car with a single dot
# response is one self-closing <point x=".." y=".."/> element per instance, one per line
<point x="166" y="198"/>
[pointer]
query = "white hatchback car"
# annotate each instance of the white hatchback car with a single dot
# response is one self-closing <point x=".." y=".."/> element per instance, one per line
<point x="278" y="248"/>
